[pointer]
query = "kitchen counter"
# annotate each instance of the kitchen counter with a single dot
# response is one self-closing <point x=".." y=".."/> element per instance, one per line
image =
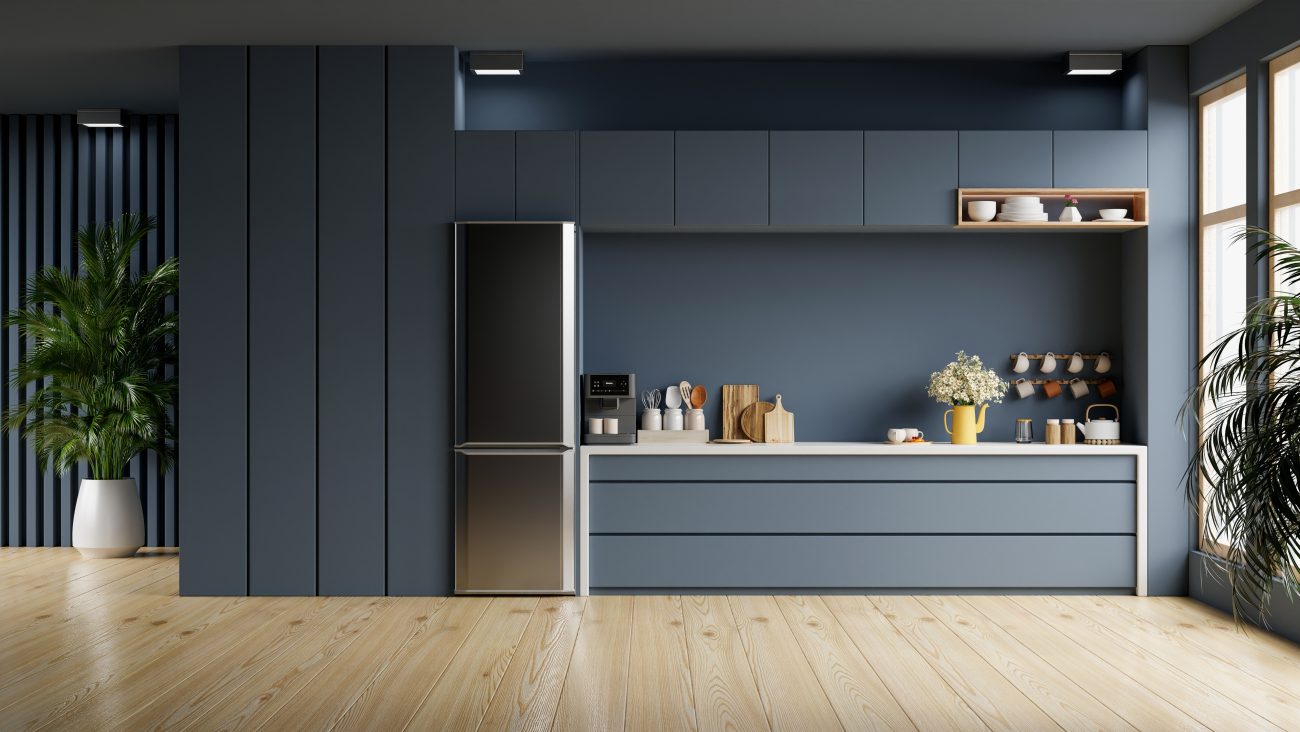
<point x="858" y="516"/>
<point x="861" y="448"/>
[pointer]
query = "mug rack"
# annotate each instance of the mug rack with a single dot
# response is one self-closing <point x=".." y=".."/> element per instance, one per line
<point x="1062" y="382"/>
<point x="1059" y="355"/>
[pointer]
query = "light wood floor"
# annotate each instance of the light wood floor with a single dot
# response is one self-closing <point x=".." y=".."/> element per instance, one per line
<point x="107" y="644"/>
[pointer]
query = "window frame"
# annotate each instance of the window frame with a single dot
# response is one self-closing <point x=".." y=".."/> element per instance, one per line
<point x="1206" y="220"/>
<point x="1277" y="200"/>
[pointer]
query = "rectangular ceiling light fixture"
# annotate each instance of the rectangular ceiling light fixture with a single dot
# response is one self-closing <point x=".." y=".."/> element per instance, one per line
<point x="496" y="63"/>
<point x="99" y="117"/>
<point x="1095" y="64"/>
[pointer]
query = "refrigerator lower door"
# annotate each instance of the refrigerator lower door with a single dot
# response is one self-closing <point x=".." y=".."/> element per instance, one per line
<point x="514" y="522"/>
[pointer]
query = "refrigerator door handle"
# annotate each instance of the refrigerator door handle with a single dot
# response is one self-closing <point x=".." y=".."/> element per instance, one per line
<point x="556" y="446"/>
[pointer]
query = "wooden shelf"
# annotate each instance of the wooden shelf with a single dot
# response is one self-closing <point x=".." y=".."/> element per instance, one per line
<point x="1090" y="200"/>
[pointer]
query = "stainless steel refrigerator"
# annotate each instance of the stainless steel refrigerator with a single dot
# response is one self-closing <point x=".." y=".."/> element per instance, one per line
<point x="515" y="364"/>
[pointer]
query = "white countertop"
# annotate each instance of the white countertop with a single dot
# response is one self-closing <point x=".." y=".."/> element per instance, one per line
<point x="861" y="448"/>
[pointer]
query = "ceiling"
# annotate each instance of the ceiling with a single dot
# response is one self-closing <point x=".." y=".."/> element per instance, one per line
<point x="57" y="55"/>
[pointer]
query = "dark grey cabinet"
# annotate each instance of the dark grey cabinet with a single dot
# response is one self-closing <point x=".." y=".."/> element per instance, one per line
<point x="721" y="178"/>
<point x="485" y="176"/>
<point x="1005" y="159"/>
<point x="626" y="178"/>
<point x="816" y="178"/>
<point x="1099" y="158"/>
<point x="909" y="177"/>
<point x="546" y="176"/>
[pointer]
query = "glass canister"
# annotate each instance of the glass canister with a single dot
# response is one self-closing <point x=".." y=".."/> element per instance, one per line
<point x="1024" y="431"/>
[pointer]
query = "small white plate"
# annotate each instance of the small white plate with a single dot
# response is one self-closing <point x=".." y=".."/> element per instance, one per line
<point x="1117" y="221"/>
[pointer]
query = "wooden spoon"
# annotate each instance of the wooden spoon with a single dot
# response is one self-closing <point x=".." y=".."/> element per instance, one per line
<point x="698" y="396"/>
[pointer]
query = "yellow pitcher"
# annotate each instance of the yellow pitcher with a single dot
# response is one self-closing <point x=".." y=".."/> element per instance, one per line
<point x="965" y="426"/>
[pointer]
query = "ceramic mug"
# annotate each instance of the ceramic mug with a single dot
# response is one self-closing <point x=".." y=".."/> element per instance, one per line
<point x="914" y="434"/>
<point x="1051" y="389"/>
<point x="1076" y="363"/>
<point x="896" y="435"/>
<point x="1024" y="389"/>
<point x="1049" y="362"/>
<point x="1020" y="364"/>
<point x="595" y="426"/>
<point x="1103" y="363"/>
<point x="1107" y="389"/>
<point x="1079" y="388"/>
<point x="611" y="425"/>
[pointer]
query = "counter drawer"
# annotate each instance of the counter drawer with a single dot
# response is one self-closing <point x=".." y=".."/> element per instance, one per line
<point x="862" y="562"/>
<point x="799" y="468"/>
<point x="863" y="508"/>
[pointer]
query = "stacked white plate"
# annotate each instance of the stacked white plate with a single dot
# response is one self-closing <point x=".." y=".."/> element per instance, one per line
<point x="1022" y="208"/>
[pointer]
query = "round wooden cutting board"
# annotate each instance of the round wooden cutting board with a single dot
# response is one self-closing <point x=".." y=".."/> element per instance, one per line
<point x="751" y="420"/>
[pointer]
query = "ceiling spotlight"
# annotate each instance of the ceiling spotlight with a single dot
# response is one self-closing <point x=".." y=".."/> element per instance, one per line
<point x="496" y="63"/>
<point x="1095" y="64"/>
<point x="99" y="117"/>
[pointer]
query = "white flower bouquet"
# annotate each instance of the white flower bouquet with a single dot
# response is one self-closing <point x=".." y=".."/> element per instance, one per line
<point x="965" y="382"/>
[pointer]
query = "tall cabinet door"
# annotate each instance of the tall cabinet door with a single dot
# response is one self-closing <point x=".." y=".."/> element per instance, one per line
<point x="485" y="176"/>
<point x="816" y="178"/>
<point x="721" y="178"/>
<point x="909" y="177"/>
<point x="1100" y="158"/>
<point x="1006" y="159"/>
<point x="546" y="176"/>
<point x="626" y="178"/>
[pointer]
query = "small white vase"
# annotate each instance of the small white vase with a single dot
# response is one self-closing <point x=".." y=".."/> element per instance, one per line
<point x="107" y="520"/>
<point x="1071" y="214"/>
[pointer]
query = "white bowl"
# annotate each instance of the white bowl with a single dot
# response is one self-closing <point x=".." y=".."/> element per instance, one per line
<point x="1113" y="214"/>
<point x="981" y="210"/>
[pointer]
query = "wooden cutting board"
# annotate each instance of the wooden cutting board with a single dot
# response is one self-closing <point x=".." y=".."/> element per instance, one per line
<point x="751" y="420"/>
<point x="735" y="397"/>
<point x="778" y="424"/>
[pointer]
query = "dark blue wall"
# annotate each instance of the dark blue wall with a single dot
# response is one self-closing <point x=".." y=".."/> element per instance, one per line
<point x="848" y="327"/>
<point x="898" y="94"/>
<point x="56" y="177"/>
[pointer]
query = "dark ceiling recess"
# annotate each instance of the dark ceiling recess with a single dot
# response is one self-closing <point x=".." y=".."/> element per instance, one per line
<point x="89" y="53"/>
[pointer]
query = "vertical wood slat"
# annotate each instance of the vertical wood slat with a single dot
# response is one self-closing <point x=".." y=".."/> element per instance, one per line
<point x="53" y="179"/>
<point x="168" y="223"/>
<point x="350" y="349"/>
<point x="421" y="203"/>
<point x="282" y="320"/>
<point x="214" y="352"/>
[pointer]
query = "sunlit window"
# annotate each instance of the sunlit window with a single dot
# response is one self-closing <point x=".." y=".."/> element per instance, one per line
<point x="1284" y="137"/>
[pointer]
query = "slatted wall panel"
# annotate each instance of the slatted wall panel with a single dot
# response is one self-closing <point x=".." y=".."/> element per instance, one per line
<point x="54" y="178"/>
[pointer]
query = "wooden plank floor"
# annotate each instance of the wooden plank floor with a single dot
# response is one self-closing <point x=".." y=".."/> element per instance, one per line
<point x="108" y="645"/>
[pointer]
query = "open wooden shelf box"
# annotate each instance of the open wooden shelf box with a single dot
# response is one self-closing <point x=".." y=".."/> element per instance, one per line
<point x="1090" y="201"/>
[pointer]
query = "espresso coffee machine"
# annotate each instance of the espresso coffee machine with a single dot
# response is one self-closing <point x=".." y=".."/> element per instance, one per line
<point x="607" y="396"/>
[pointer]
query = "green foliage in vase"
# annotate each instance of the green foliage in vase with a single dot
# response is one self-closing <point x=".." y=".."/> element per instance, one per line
<point x="1247" y="463"/>
<point x="99" y="342"/>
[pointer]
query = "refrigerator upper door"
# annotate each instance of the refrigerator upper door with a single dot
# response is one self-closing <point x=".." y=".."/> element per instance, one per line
<point x="516" y="324"/>
<point x="514" y="522"/>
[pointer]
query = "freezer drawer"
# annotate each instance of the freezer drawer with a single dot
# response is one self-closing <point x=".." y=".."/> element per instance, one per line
<point x="514" y="522"/>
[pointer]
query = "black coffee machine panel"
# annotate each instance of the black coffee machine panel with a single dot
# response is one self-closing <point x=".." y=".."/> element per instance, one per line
<point x="608" y="400"/>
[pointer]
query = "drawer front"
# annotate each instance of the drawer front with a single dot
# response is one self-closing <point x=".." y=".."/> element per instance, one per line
<point x="813" y="468"/>
<point x="880" y="562"/>
<point x="864" y="508"/>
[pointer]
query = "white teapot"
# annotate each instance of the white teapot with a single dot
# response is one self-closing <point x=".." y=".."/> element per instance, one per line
<point x="1100" y="431"/>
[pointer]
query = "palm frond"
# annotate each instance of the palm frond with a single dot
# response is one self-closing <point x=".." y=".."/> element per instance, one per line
<point x="100" y="342"/>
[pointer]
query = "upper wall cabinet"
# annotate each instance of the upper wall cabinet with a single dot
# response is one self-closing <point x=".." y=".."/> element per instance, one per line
<point x="1100" y="159"/>
<point x="909" y="177"/>
<point x="816" y="178"/>
<point x="626" y="178"/>
<point x="1016" y="159"/>
<point x="546" y="176"/>
<point x="485" y="176"/>
<point x="721" y="179"/>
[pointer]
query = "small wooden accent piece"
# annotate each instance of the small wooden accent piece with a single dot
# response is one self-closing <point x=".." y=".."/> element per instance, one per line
<point x="751" y="420"/>
<point x="735" y="397"/>
<point x="672" y="436"/>
<point x="778" y="424"/>
<point x="1102" y="442"/>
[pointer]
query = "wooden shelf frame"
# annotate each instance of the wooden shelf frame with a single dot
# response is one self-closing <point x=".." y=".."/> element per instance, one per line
<point x="1136" y="200"/>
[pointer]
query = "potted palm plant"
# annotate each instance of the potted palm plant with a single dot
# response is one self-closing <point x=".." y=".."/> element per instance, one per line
<point x="1244" y="476"/>
<point x="99" y="344"/>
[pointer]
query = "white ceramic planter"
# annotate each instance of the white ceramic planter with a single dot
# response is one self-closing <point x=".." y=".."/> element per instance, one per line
<point x="107" y="520"/>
